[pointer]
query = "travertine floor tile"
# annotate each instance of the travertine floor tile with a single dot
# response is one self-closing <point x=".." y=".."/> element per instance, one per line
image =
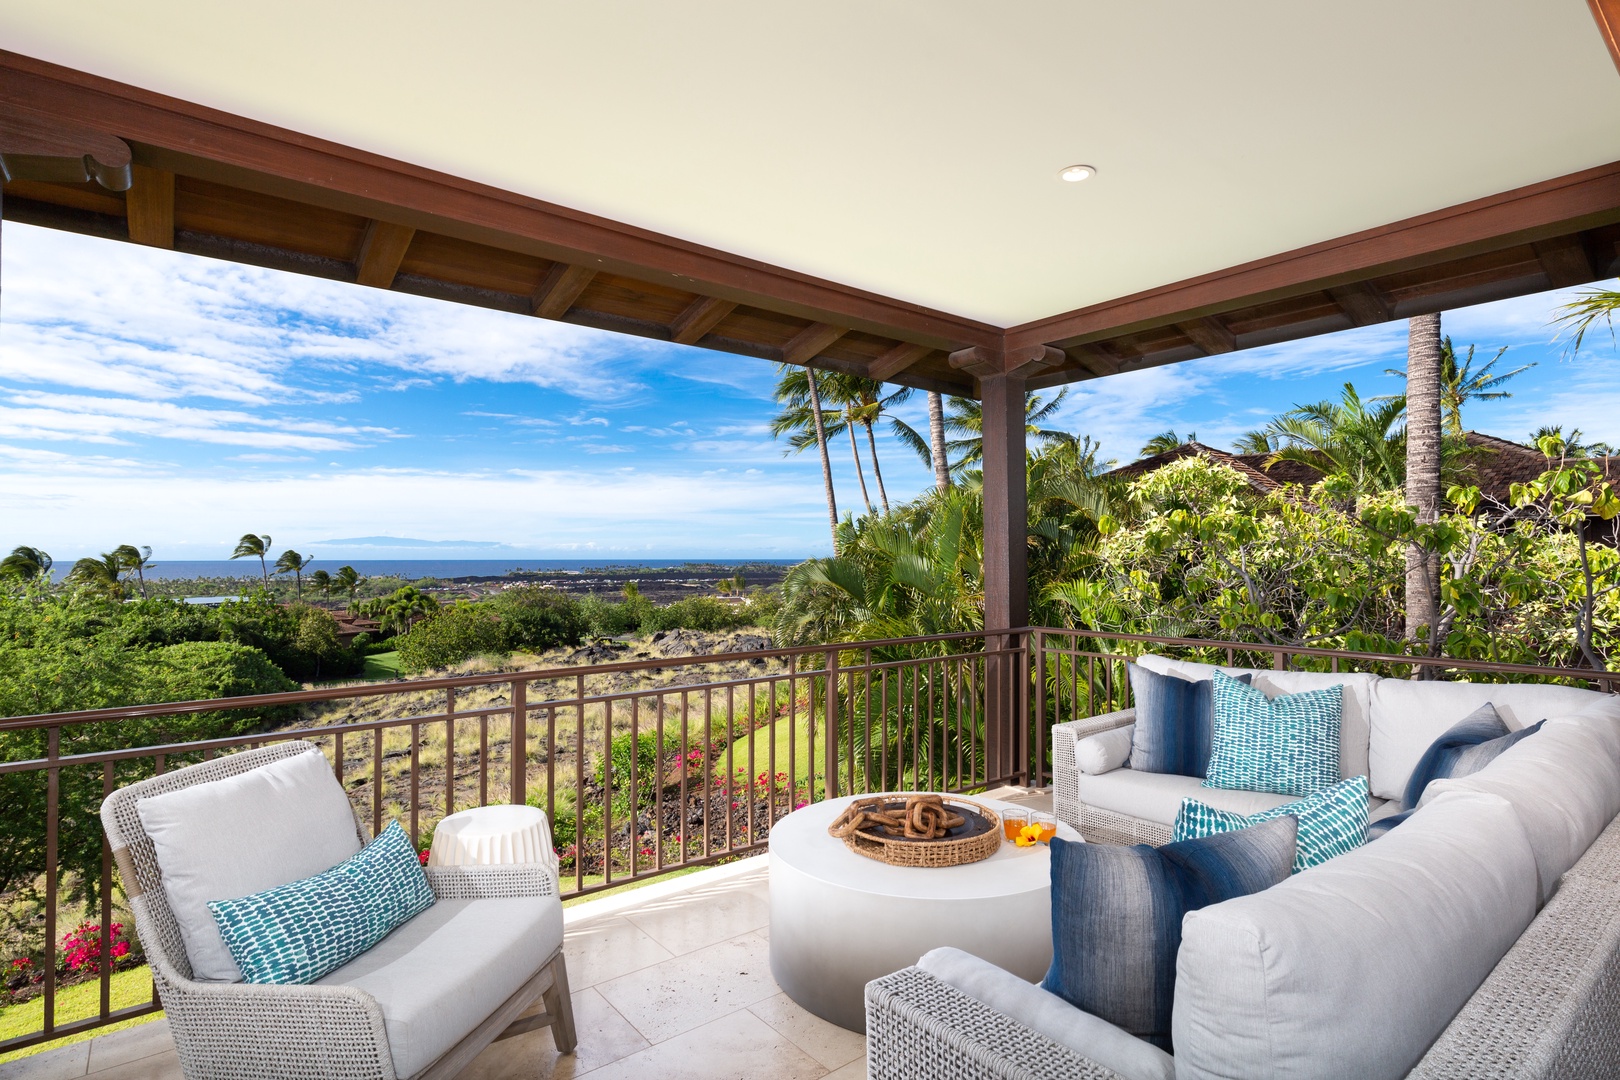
<point x="829" y="1044"/>
<point x="131" y="1044"/>
<point x="58" y="1064"/>
<point x="693" y="920"/>
<point x="855" y="1070"/>
<point x="607" y="948"/>
<point x="688" y="991"/>
<point x="740" y="1046"/>
<point x="164" y="1066"/>
<point x="604" y="1037"/>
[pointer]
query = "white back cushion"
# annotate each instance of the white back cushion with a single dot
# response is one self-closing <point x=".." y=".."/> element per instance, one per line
<point x="1280" y="984"/>
<point x="241" y="835"/>
<point x="1564" y="784"/>
<point x="1354" y="725"/>
<point x="1407" y="716"/>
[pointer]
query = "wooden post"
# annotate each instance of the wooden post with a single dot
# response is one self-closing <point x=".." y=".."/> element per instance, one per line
<point x="1006" y="575"/>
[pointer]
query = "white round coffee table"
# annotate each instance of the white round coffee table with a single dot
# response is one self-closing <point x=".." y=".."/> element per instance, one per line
<point x="840" y="920"/>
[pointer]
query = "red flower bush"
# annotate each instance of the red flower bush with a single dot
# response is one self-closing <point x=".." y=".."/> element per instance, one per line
<point x="81" y="948"/>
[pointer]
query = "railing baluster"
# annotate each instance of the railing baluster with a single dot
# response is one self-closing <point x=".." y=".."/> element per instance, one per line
<point x="579" y="783"/>
<point x="53" y="791"/>
<point x="658" y="788"/>
<point x="376" y="781"/>
<point x="105" y="1007"/>
<point x="751" y="762"/>
<point x="416" y="783"/>
<point x="830" y="711"/>
<point x="450" y="751"/>
<point x="519" y="756"/>
<point x="686" y="742"/>
<point x="793" y="736"/>
<point x="483" y="762"/>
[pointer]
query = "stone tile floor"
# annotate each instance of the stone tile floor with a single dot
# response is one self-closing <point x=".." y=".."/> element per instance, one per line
<point x="670" y="981"/>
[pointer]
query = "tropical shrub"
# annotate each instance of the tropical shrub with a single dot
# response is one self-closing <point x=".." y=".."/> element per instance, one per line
<point x="452" y="635"/>
<point x="536" y="617"/>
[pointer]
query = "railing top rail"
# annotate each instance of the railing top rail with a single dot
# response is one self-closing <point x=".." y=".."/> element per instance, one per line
<point x="1489" y="666"/>
<point x="411" y="686"/>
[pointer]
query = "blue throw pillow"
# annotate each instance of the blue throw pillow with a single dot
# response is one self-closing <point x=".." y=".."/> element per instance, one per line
<point x="1287" y="745"/>
<point x="1175" y="720"/>
<point x="1116" y="916"/>
<point x="297" y="932"/>
<point x="1331" y="822"/>
<point x="1466" y="747"/>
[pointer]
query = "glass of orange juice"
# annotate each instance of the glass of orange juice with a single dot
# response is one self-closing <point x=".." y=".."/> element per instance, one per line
<point x="1012" y="821"/>
<point x="1047" y="823"/>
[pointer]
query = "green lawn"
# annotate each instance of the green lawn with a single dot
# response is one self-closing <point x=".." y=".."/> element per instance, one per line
<point x="381" y="667"/>
<point x="132" y="987"/>
<point x="783" y="732"/>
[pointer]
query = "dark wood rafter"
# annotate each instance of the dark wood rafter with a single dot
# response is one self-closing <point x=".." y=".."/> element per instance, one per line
<point x="382" y="249"/>
<point x="896" y="360"/>
<point x="1362" y="304"/>
<point x="699" y="317"/>
<point x="150" y="205"/>
<point x="808" y="343"/>
<point x="1565" y="259"/>
<point x="1209" y="334"/>
<point x="559" y="289"/>
<point x="1607" y="14"/>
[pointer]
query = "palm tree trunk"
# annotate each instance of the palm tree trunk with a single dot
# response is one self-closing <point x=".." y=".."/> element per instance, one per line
<point x="1422" y="468"/>
<point x="936" y="440"/>
<point x="140" y="574"/>
<point x="826" y="462"/>
<point x="264" y="571"/>
<point x="860" y="473"/>
<point x="871" y="442"/>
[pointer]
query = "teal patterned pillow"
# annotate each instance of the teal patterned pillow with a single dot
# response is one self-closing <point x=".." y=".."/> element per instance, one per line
<point x="1287" y="745"/>
<point x="1331" y="822"/>
<point x="297" y="932"/>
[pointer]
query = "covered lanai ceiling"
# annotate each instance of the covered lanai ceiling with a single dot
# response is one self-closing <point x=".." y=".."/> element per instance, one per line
<point x="1350" y="161"/>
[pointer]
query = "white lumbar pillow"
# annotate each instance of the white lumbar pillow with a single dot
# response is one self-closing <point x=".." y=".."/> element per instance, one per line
<point x="229" y="838"/>
<point x="1104" y="751"/>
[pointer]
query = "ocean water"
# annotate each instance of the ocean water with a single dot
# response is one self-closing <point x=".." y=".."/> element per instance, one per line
<point x="411" y="569"/>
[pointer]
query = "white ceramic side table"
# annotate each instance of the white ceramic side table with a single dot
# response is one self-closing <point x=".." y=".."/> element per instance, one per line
<point x="840" y="920"/>
<point x="487" y="835"/>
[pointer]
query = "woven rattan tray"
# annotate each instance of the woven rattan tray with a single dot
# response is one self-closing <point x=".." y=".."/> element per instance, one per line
<point x="977" y="838"/>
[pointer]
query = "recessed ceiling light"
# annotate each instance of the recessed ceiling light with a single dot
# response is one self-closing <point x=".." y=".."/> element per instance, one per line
<point x="1076" y="173"/>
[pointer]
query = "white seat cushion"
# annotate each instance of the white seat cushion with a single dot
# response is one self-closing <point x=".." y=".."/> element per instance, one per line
<point x="443" y="973"/>
<point x="1352" y="969"/>
<point x="1564" y="784"/>
<point x="233" y="837"/>
<point x="1090" y="1036"/>
<point x="1157" y="796"/>
<point x="1407" y="716"/>
<point x="1354" y="723"/>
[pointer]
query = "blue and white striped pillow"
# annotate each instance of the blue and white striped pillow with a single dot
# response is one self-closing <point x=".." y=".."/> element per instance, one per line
<point x="297" y="932"/>
<point x="1287" y="745"/>
<point x="1331" y="822"/>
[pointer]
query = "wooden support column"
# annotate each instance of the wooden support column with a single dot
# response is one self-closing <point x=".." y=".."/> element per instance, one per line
<point x="1006" y="569"/>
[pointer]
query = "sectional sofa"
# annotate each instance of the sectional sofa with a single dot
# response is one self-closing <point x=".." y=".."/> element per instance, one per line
<point x="1479" y="937"/>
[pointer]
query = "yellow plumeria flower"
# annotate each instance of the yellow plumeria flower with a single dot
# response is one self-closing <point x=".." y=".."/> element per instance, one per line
<point x="1028" y="836"/>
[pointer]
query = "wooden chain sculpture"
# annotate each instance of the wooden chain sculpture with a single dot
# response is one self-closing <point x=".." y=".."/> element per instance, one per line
<point x="924" y="817"/>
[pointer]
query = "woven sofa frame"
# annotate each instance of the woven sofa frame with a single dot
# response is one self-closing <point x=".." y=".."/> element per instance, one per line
<point x="243" y="1031"/>
<point x="1097" y="825"/>
<point x="1549" y="1010"/>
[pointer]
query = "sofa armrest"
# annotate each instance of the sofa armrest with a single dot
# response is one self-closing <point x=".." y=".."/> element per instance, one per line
<point x="918" y="1025"/>
<point x="1065" y="768"/>
<point x="488" y="882"/>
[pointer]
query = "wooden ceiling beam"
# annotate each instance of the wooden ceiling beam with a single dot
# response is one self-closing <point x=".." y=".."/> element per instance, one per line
<point x="37" y="146"/>
<point x="896" y="360"/>
<point x="1209" y="334"/>
<point x="1095" y="359"/>
<point x="149" y="207"/>
<point x="1566" y="261"/>
<point x="382" y="249"/>
<point x="977" y="361"/>
<point x="701" y="316"/>
<point x="808" y="343"/>
<point x="1031" y="360"/>
<point x="1362" y="303"/>
<point x="559" y="289"/>
<point x="1607" y="15"/>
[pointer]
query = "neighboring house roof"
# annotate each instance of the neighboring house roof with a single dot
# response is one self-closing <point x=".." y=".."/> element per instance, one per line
<point x="1252" y="466"/>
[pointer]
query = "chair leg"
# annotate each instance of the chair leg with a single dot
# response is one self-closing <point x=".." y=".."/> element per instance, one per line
<point x="560" y="1004"/>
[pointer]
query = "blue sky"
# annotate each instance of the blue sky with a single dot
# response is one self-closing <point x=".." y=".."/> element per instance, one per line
<point x="157" y="398"/>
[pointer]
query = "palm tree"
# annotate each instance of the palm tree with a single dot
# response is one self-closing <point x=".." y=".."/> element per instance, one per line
<point x="26" y="563"/>
<point x="321" y="581"/>
<point x="1255" y="442"/>
<point x="293" y="563"/>
<point x="347" y="580"/>
<point x="407" y="604"/>
<point x="936" y="440"/>
<point x="137" y="560"/>
<point x="1587" y="310"/>
<point x="1460" y="383"/>
<point x="103" y="575"/>
<point x="799" y="390"/>
<point x="865" y="404"/>
<point x="1358" y="441"/>
<point x="966" y="418"/>
<point x="1166" y="441"/>
<point x="250" y="546"/>
<point x="1423" y="434"/>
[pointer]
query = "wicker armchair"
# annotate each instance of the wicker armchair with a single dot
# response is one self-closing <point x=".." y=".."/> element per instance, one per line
<point x="237" y="1030"/>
